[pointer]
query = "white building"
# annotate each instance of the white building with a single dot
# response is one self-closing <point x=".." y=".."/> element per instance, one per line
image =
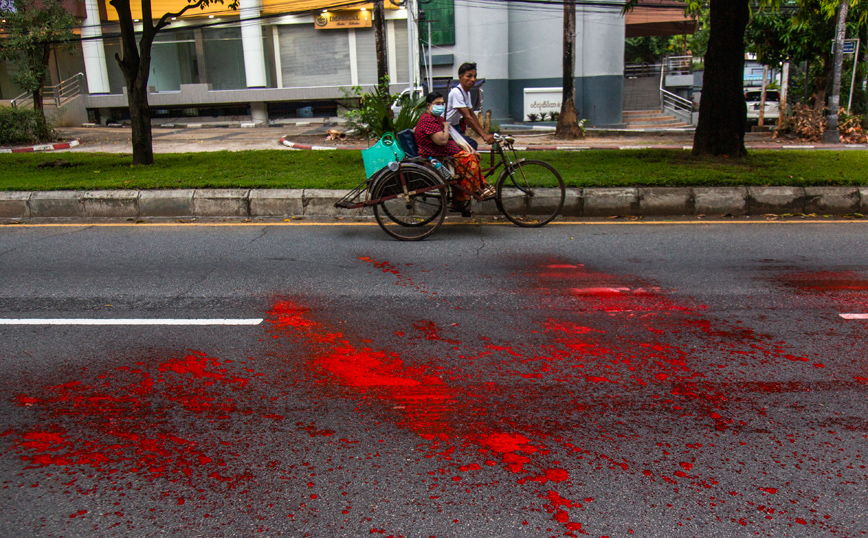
<point x="274" y="58"/>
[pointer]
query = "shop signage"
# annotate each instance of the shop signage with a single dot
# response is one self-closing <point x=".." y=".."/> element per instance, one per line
<point x="334" y="20"/>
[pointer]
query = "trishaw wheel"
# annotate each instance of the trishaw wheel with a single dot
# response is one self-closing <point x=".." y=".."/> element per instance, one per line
<point x="414" y="214"/>
<point x="530" y="193"/>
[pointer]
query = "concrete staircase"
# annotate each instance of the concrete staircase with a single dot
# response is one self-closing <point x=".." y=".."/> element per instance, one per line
<point x="651" y="119"/>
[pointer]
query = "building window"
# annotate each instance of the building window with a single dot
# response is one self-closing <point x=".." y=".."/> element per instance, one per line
<point x="441" y="15"/>
<point x="224" y="58"/>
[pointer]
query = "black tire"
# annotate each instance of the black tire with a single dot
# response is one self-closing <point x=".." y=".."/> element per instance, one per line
<point x="530" y="193"/>
<point x="417" y="214"/>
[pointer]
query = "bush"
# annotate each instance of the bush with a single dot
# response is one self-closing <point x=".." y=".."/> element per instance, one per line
<point x="24" y="126"/>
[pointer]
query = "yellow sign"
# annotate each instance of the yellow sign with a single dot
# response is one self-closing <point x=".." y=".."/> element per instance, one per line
<point x="333" y="20"/>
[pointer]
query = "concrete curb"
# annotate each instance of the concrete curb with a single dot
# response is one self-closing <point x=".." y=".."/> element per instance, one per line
<point x="43" y="147"/>
<point x="293" y="145"/>
<point x="483" y="148"/>
<point x="288" y="203"/>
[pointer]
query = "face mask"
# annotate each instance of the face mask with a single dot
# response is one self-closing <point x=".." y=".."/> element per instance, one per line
<point x="438" y="110"/>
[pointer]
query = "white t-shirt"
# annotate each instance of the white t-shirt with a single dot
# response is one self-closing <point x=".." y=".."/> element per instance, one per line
<point x="458" y="98"/>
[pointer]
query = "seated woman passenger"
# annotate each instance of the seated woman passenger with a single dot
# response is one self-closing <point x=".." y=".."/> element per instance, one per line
<point x="433" y="140"/>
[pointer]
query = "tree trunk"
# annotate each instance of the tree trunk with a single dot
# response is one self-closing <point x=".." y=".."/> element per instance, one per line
<point x="135" y="68"/>
<point x="568" y="125"/>
<point x="831" y="135"/>
<point x="821" y="85"/>
<point x="722" y="110"/>
<point x="140" y="122"/>
<point x="380" y="36"/>
<point x="39" y="92"/>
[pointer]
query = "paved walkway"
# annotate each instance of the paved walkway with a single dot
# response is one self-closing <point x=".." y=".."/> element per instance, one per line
<point x="180" y="139"/>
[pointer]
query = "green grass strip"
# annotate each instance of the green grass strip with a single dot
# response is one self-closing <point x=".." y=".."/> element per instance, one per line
<point x="281" y="169"/>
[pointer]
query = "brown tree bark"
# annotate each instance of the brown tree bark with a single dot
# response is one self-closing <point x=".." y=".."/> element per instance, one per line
<point x="135" y="68"/>
<point x="39" y="92"/>
<point x="568" y="125"/>
<point x="722" y="110"/>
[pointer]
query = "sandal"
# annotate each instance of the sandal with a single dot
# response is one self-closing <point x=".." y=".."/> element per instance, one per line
<point x="487" y="193"/>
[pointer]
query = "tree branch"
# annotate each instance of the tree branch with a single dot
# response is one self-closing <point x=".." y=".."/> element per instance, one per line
<point x="164" y="20"/>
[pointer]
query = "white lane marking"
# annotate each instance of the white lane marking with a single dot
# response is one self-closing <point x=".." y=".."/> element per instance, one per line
<point x="84" y="321"/>
<point x="854" y="316"/>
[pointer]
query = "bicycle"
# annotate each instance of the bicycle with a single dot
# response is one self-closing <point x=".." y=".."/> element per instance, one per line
<point x="409" y="198"/>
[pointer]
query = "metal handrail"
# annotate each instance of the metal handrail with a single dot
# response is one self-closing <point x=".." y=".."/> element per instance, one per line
<point x="679" y="65"/>
<point x="641" y="70"/>
<point x="676" y="102"/>
<point x="672" y="100"/>
<point x="60" y="93"/>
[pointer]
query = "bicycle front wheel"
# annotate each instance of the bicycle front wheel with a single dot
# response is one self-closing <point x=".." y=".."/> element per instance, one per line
<point x="530" y="193"/>
<point x="413" y="214"/>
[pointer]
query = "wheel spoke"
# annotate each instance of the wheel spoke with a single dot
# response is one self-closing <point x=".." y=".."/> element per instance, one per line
<point x="416" y="214"/>
<point x="530" y="193"/>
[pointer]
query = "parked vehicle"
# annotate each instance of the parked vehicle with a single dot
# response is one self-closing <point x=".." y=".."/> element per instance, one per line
<point x="753" y="100"/>
<point x="404" y="97"/>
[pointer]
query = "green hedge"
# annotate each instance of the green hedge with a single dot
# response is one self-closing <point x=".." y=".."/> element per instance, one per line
<point x="24" y="126"/>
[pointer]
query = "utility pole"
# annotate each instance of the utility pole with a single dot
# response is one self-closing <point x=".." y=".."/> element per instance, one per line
<point x="831" y="135"/>
<point x="380" y="36"/>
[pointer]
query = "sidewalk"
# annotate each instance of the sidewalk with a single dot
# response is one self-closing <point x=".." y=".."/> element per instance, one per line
<point x="290" y="203"/>
<point x="313" y="133"/>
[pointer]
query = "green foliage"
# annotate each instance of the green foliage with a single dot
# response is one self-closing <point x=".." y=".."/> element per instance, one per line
<point x="24" y="126"/>
<point x="374" y="115"/>
<point x="412" y="109"/>
<point x="642" y="50"/>
<point x="31" y="29"/>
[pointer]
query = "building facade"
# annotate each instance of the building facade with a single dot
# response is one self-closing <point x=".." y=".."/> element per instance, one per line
<point x="272" y="58"/>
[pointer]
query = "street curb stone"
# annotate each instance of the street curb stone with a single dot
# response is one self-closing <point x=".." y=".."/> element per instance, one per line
<point x="863" y="197"/>
<point x="14" y="204"/>
<point x="42" y="147"/>
<point x="831" y="200"/>
<point x="221" y="203"/>
<point x="763" y="200"/>
<point x="595" y="202"/>
<point x="610" y="201"/>
<point x="574" y="203"/>
<point x="321" y="202"/>
<point x="56" y="204"/>
<point x="276" y="202"/>
<point x="168" y="203"/>
<point x="720" y="201"/>
<point x="112" y="204"/>
<point x="666" y="201"/>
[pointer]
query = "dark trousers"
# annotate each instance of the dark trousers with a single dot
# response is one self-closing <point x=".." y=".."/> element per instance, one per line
<point x="473" y="143"/>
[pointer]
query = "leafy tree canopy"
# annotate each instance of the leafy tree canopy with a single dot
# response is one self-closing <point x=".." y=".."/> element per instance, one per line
<point x="30" y="32"/>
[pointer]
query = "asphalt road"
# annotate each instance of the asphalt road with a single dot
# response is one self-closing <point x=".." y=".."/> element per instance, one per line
<point x="659" y="380"/>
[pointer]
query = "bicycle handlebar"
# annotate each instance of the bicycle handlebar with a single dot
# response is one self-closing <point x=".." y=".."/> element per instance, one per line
<point x="501" y="139"/>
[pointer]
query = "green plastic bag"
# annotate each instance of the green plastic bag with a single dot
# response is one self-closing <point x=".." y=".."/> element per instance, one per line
<point x="378" y="156"/>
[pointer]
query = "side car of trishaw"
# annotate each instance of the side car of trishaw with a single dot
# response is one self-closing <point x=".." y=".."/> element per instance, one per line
<point x="410" y="197"/>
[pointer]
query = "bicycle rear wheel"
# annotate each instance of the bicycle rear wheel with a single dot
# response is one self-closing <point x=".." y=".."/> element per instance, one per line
<point x="530" y="193"/>
<point x="413" y="215"/>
